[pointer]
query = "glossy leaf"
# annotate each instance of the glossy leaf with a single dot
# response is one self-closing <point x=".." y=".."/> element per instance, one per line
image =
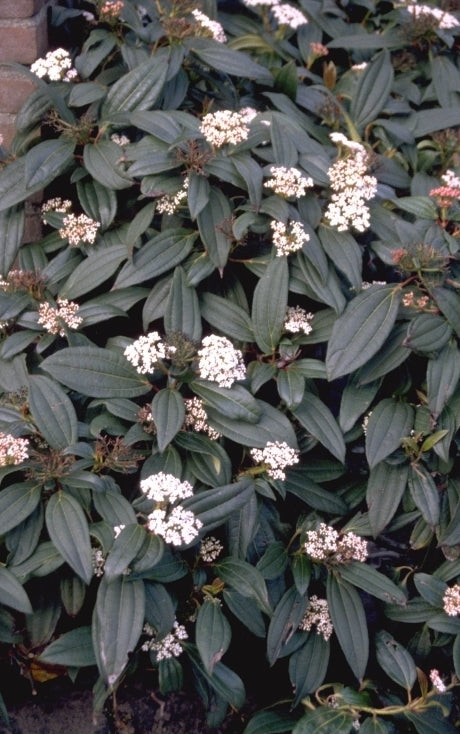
<point x="443" y="374"/>
<point x="168" y="413"/>
<point x="226" y="316"/>
<point x="53" y="412"/>
<point x="125" y="548"/>
<point x="95" y="269"/>
<point x="214" y="506"/>
<point x="308" y="666"/>
<point x="46" y="161"/>
<point x="68" y="529"/>
<point x="271" y="426"/>
<point x="425" y="494"/>
<point x="385" y="488"/>
<point x="232" y="402"/>
<point x="373" y="582"/>
<point x="372" y="91"/>
<point x="269" y="722"/>
<point x="318" y="420"/>
<point x="349" y="620"/>
<point x="389" y="422"/>
<point x="285" y="623"/>
<point x="182" y="310"/>
<point x="359" y="333"/>
<point x="137" y="90"/>
<point x="12" y="593"/>
<point x="324" y="720"/>
<point x="213" y="633"/>
<point x="73" y="649"/>
<point x="17" y="502"/>
<point x="11" y="233"/>
<point x="246" y="580"/>
<point x="269" y="305"/>
<point x="397" y="663"/>
<point x="212" y="221"/>
<point x="102" y="162"/>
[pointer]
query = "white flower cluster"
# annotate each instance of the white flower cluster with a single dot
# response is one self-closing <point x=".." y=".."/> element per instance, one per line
<point x="351" y="187"/>
<point x="288" y="238"/>
<point x="286" y="14"/>
<point x="147" y="352"/>
<point x="54" y="319"/>
<point x="220" y="362"/>
<point x="167" y="647"/>
<point x="79" y="228"/>
<point x="13" y="450"/>
<point x="176" y="526"/>
<point x="451" y="179"/>
<point x="163" y="487"/>
<point x="120" y="139"/>
<point x="444" y="20"/>
<point x="224" y="126"/>
<point x="257" y="3"/>
<point x="117" y="530"/>
<point x="111" y="9"/>
<point x="276" y="456"/>
<point x="317" y="614"/>
<point x="436" y="681"/>
<point x="196" y="418"/>
<point x="327" y="545"/>
<point x="288" y="182"/>
<point x="215" y="29"/>
<point x="169" y="203"/>
<point x="98" y="561"/>
<point x="297" y="320"/>
<point x="210" y="549"/>
<point x="56" y="205"/>
<point x="57" y="66"/>
<point x="365" y="284"/>
<point x="451" y="600"/>
<point x="248" y="114"/>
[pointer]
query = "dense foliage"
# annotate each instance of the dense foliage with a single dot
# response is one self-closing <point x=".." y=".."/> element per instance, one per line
<point x="230" y="368"/>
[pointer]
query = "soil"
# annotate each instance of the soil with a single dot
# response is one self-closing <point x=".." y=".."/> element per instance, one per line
<point x="58" y="708"/>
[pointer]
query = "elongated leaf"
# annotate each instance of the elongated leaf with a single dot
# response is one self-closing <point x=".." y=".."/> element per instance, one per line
<point x="197" y="194"/>
<point x="291" y="386"/>
<point x="373" y="582"/>
<point x="12" y="593"/>
<point x="182" y="311"/>
<point x="117" y="624"/>
<point x="324" y="720"/>
<point x="271" y="426"/>
<point x="74" y="649"/>
<point x="284" y="623"/>
<point x="269" y="305"/>
<point x="246" y="611"/>
<point x="361" y="330"/>
<point x="95" y="269"/>
<point x="95" y="372"/>
<point x="449" y="304"/>
<point x="385" y="488"/>
<point x="125" y="547"/>
<point x="13" y="184"/>
<point x="318" y="420"/>
<point x="168" y="413"/>
<point x="213" y="633"/>
<point x="389" y="422"/>
<point x="430" y="722"/>
<point x="233" y="402"/>
<point x="236" y="63"/>
<point x="53" y="412"/>
<point x="350" y="626"/>
<point x="170" y="675"/>
<point x="137" y="90"/>
<point x="344" y="252"/>
<point x="270" y="722"/>
<point x="11" y="232"/>
<point x="210" y="463"/>
<point x="47" y="160"/>
<point x="227" y="684"/>
<point x="428" y="332"/>
<point x="17" y="502"/>
<point x="274" y="561"/>
<point x="214" y="506"/>
<point x="397" y="663"/>
<point x="442" y="375"/>
<point x="373" y="89"/>
<point x="214" y="222"/>
<point x="68" y="529"/>
<point x="308" y="666"/>
<point x="246" y="580"/>
<point x="102" y="162"/>
<point x="425" y="494"/>
<point x="355" y="400"/>
<point x="226" y="316"/>
<point x="159" y="255"/>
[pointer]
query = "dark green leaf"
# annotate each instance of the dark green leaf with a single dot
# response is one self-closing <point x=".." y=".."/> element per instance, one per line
<point x="222" y="58"/>
<point x="246" y="580"/>
<point x="102" y="160"/>
<point x="271" y="426"/>
<point x="12" y="594"/>
<point x="11" y="233"/>
<point x="427" y="332"/>
<point x="68" y="529"/>
<point x="125" y="547"/>
<point x="299" y="483"/>
<point x="213" y="222"/>
<point x="373" y="582"/>
<point x="182" y="311"/>
<point x="318" y="420"/>
<point x="350" y="626"/>
<point x="372" y="91"/>
<point x="226" y="316"/>
<point x="397" y="663"/>
<point x="424" y="493"/>
<point x="389" y="422"/>
<point x="159" y="255"/>
<point x="308" y="666"/>
<point x="325" y="721"/>
<point x="168" y="413"/>
<point x="214" y="506"/>
<point x="73" y="649"/>
<point x="442" y="375"/>
<point x="53" y="412"/>
<point x="385" y="488"/>
<point x="284" y="623"/>
<point x="137" y="90"/>
<point x="47" y="160"/>
<point x="269" y="305"/>
<point x="233" y="402"/>
<point x="269" y="722"/>
<point x="246" y="611"/>
<point x="17" y="502"/>
<point x="213" y="633"/>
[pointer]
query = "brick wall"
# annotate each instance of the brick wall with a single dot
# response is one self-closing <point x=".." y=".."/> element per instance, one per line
<point x="23" y="38"/>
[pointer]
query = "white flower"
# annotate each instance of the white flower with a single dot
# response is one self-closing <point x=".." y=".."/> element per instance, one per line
<point x="451" y="600"/>
<point x="276" y="455"/>
<point x="210" y="549"/>
<point x="351" y="187"/>
<point x="450" y="179"/>
<point x="288" y="238"/>
<point x="78" y="229"/>
<point x="56" y="65"/>
<point x="167" y="647"/>
<point x="256" y="3"/>
<point x="147" y="352"/>
<point x="297" y="320"/>
<point x="54" y="319"/>
<point x="117" y="530"/>
<point x="288" y="15"/>
<point x="288" y="182"/>
<point x="179" y="527"/>
<point x="327" y="545"/>
<point x="197" y="418"/>
<point x="220" y="362"/>
<point x="13" y="450"/>
<point x="224" y="126"/>
<point x="444" y="20"/>
<point x="437" y="681"/>
<point x="56" y="205"/>
<point x="248" y="114"/>
<point x="119" y="139"/>
<point x="317" y="614"/>
<point x="169" y="203"/>
<point x="97" y="561"/>
<point x="163" y="487"/>
<point x="215" y="28"/>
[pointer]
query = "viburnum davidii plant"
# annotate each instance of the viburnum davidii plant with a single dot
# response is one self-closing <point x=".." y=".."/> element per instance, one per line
<point x="230" y="367"/>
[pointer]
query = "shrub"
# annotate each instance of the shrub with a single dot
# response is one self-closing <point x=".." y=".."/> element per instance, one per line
<point x="229" y="369"/>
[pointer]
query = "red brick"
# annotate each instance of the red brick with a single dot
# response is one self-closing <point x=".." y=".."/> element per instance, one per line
<point x="14" y="89"/>
<point x="20" y="8"/>
<point x="24" y="40"/>
<point x="7" y="128"/>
